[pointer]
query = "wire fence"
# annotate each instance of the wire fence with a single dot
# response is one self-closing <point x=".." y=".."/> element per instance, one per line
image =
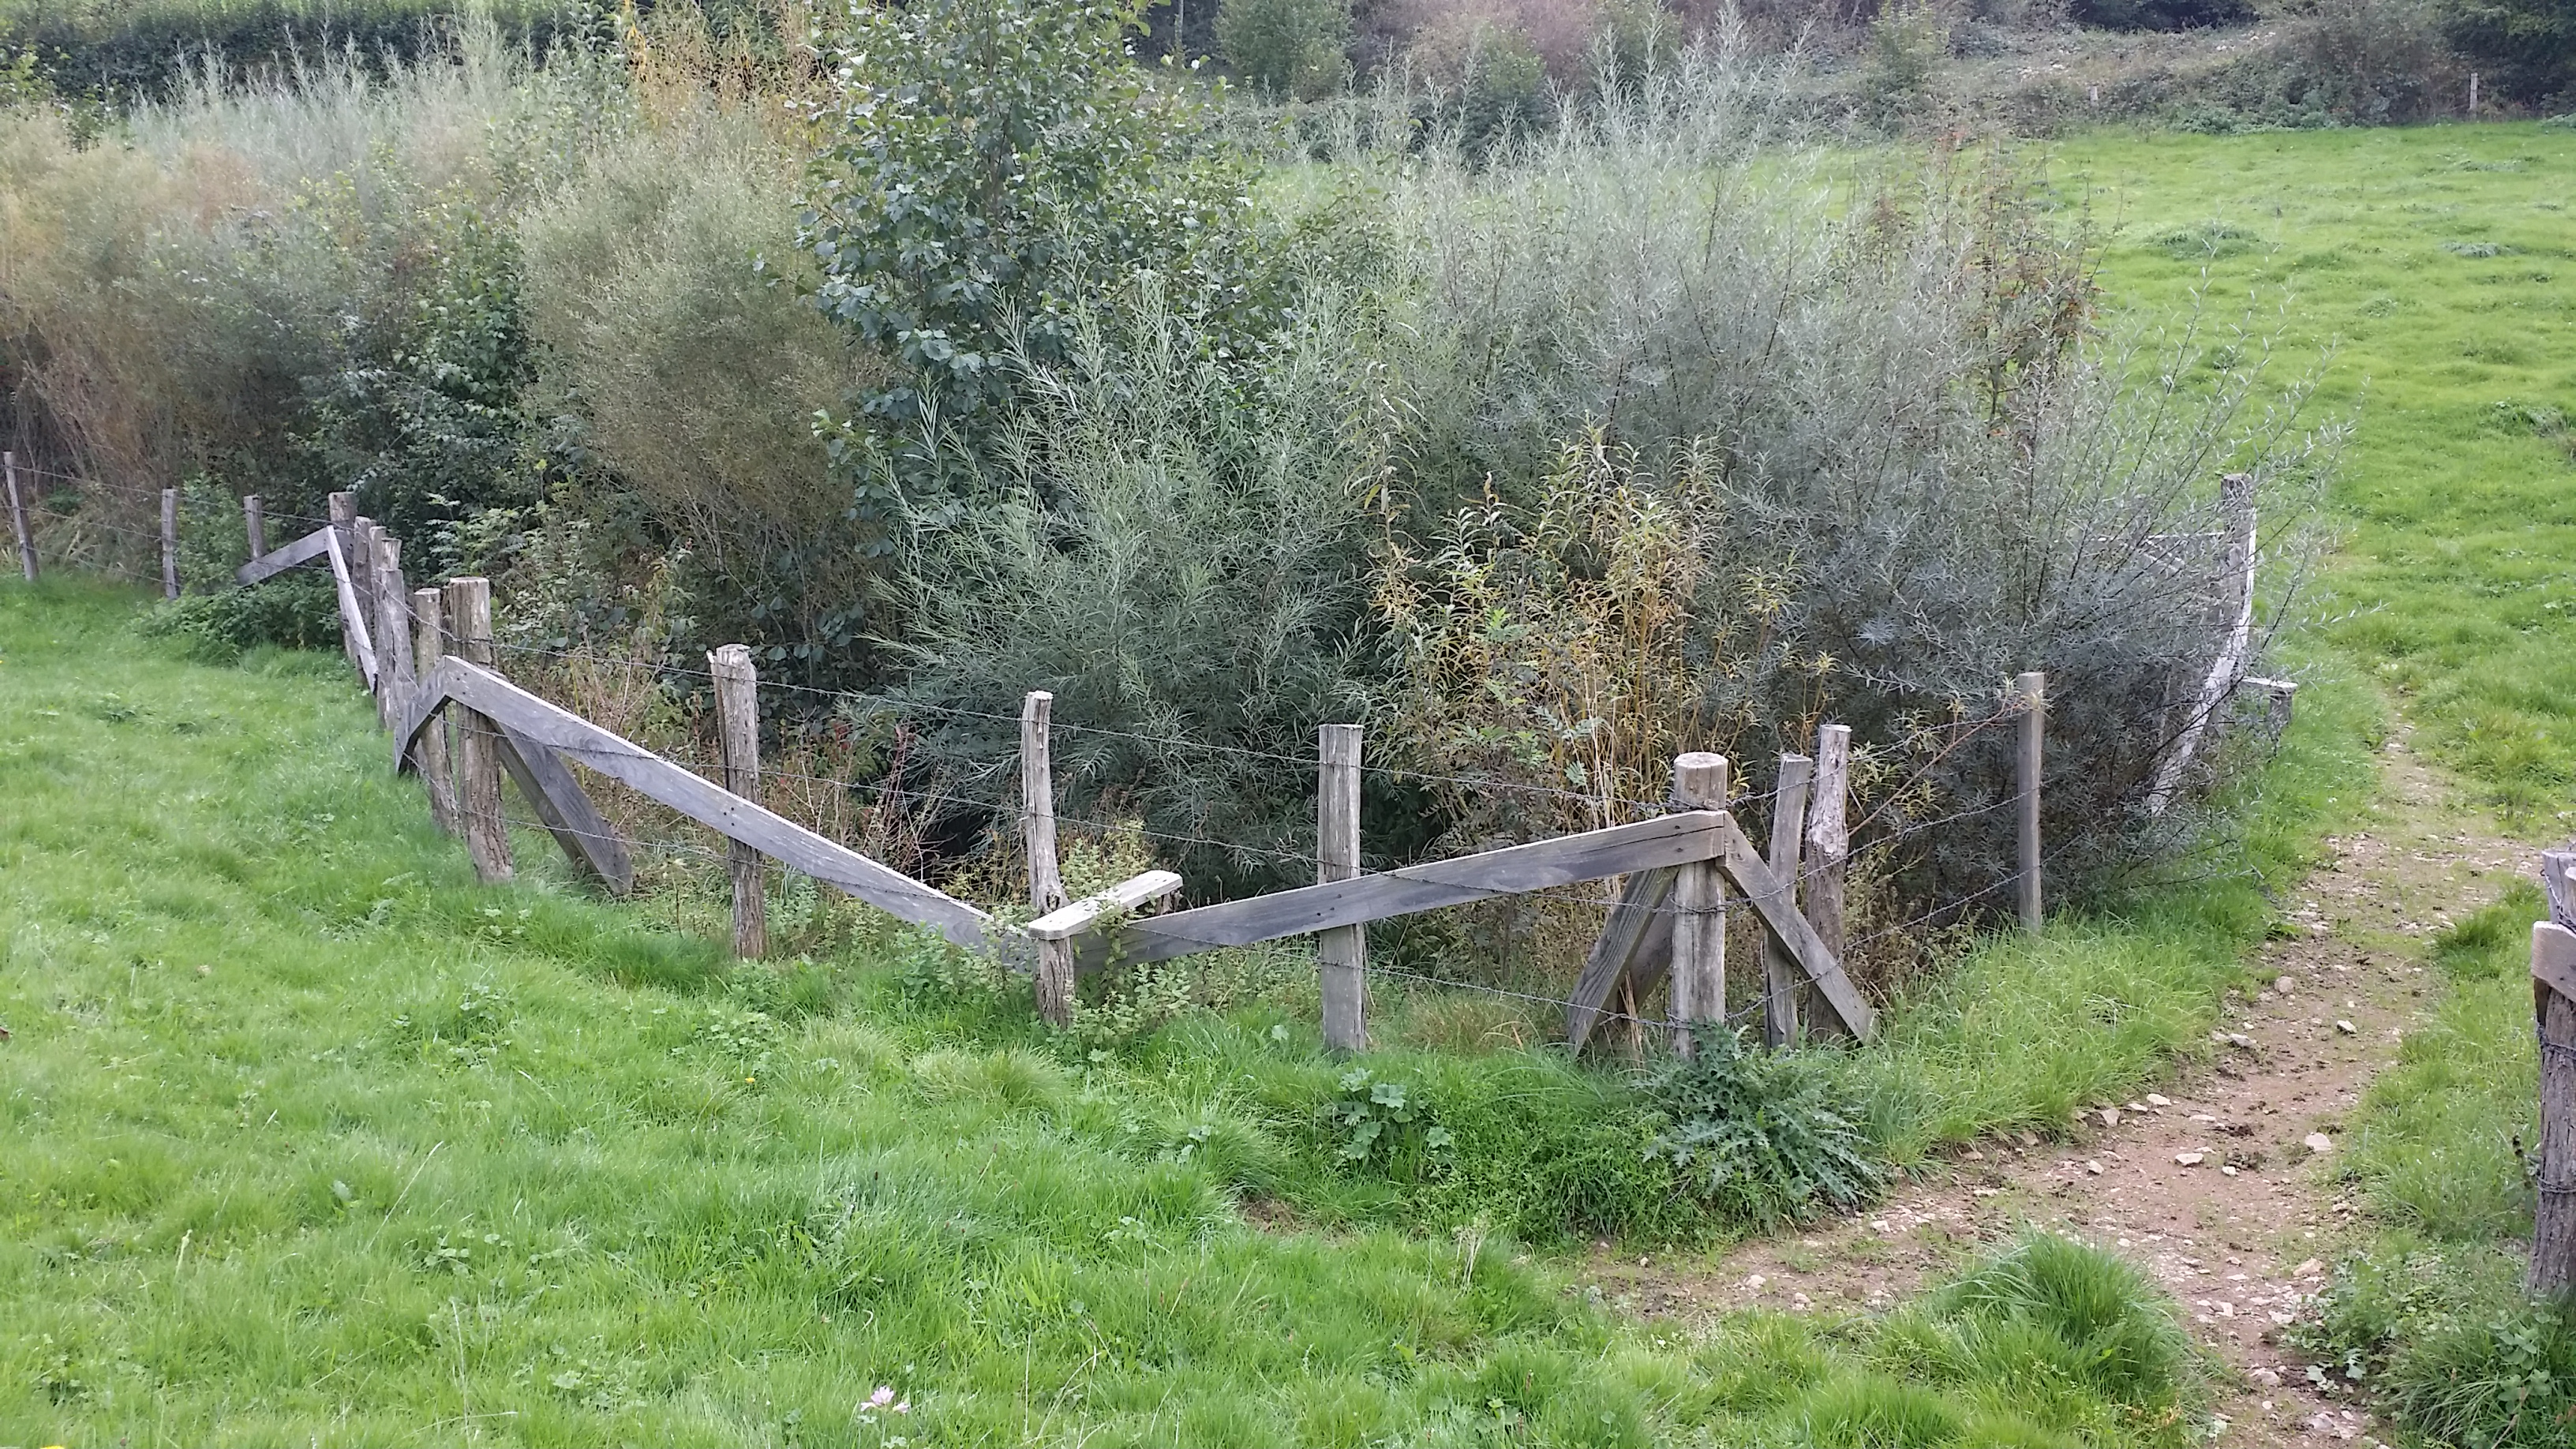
<point x="896" y="805"/>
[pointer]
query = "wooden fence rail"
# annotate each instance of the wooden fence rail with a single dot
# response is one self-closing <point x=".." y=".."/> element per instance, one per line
<point x="1680" y="867"/>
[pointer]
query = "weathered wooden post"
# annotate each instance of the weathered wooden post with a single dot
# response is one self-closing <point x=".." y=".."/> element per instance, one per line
<point x="18" y="517"/>
<point x="738" y="742"/>
<point x="429" y="752"/>
<point x="1782" y="981"/>
<point x="1699" y="910"/>
<point x="1820" y="885"/>
<point x="344" y="519"/>
<point x="393" y="662"/>
<point x="1341" y="954"/>
<point x="254" y="524"/>
<point x="362" y="582"/>
<point x="478" y="738"/>
<point x="2553" y="999"/>
<point x="2033" y="688"/>
<point x="169" y="543"/>
<point x="1037" y="838"/>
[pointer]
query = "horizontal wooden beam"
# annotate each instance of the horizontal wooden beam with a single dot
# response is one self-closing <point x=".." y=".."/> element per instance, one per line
<point x="352" y="618"/>
<point x="566" y="811"/>
<point x="1771" y="899"/>
<point x="701" y="800"/>
<point x="1067" y="922"/>
<point x="277" y="561"/>
<point x="1567" y="860"/>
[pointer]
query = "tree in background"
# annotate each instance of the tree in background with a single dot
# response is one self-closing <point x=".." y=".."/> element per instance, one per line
<point x="986" y="164"/>
<point x="2526" y="47"/>
<point x="1291" y="48"/>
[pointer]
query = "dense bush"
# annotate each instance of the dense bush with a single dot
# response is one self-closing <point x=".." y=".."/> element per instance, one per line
<point x="1288" y="48"/>
<point x="2160" y="14"/>
<point x="2527" y="47"/>
<point x="1761" y="1137"/>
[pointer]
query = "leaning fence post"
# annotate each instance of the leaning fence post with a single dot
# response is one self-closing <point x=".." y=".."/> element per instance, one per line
<point x="478" y="759"/>
<point x="254" y="525"/>
<point x="169" y="543"/>
<point x="2033" y="688"/>
<point x="362" y="582"/>
<point x="18" y="517"/>
<point x="429" y="751"/>
<point x="1699" y="910"/>
<point x="738" y="744"/>
<point x="2553" y="999"/>
<point x="344" y="518"/>
<point x="1341" y="954"/>
<point x="1781" y="976"/>
<point x="1037" y="839"/>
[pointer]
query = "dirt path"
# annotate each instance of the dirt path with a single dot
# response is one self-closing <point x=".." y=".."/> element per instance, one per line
<point x="2215" y="1184"/>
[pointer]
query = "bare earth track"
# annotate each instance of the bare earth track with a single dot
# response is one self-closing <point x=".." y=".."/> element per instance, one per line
<point x="2217" y="1185"/>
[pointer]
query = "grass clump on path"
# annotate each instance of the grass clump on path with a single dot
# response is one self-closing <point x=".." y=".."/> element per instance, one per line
<point x="311" y="1138"/>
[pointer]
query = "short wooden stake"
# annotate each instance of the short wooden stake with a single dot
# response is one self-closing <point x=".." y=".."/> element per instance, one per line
<point x="478" y="760"/>
<point x="1782" y="980"/>
<point x="1341" y="954"/>
<point x="1820" y="885"/>
<point x="738" y="742"/>
<point x="1699" y="910"/>
<point x="2033" y="688"/>
<point x="429" y="752"/>
<point x="1037" y="838"/>
<point x="254" y="524"/>
<point x="169" y="543"/>
<point x="18" y="517"/>
<point x="393" y="661"/>
<point x="344" y="519"/>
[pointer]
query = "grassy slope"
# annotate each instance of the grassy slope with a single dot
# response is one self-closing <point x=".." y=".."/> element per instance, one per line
<point x="311" y="1138"/>
<point x="2452" y="591"/>
<point x="2452" y="587"/>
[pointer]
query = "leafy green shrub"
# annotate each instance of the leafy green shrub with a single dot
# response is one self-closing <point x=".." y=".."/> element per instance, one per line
<point x="1762" y="1137"/>
<point x="1289" y="48"/>
<point x="1906" y="43"/>
<point x="2527" y="47"/>
<point x="1381" y="1124"/>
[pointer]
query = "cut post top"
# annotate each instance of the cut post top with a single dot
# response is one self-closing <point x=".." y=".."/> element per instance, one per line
<point x="1699" y="781"/>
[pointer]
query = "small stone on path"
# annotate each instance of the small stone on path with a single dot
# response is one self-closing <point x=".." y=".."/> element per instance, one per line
<point x="2319" y="1142"/>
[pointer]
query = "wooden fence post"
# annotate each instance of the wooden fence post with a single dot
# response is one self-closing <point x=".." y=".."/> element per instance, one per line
<point x="1699" y="910"/>
<point x="1037" y="838"/>
<point x="1781" y="979"/>
<point x="18" y="517"/>
<point x="1820" y="885"/>
<point x="2553" y="998"/>
<point x="344" y="517"/>
<point x="1341" y="954"/>
<point x="393" y="661"/>
<point x="169" y="543"/>
<point x="478" y="739"/>
<point x="254" y="524"/>
<point x="2033" y="687"/>
<point x="362" y="581"/>
<point x="738" y="741"/>
<point x="437" y="774"/>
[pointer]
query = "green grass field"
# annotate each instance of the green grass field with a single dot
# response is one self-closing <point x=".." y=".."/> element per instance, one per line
<point x="2432" y="273"/>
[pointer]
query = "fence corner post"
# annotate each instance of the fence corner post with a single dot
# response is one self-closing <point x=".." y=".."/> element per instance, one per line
<point x="18" y="517"/>
<point x="1698" y="973"/>
<point x="478" y="757"/>
<point x="1341" y="954"/>
<point x="737" y="683"/>
<point x="169" y="543"/>
<point x="1037" y="840"/>
<point x="254" y="525"/>
<point x="1820" y="885"/>
<point x="2033" y="688"/>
